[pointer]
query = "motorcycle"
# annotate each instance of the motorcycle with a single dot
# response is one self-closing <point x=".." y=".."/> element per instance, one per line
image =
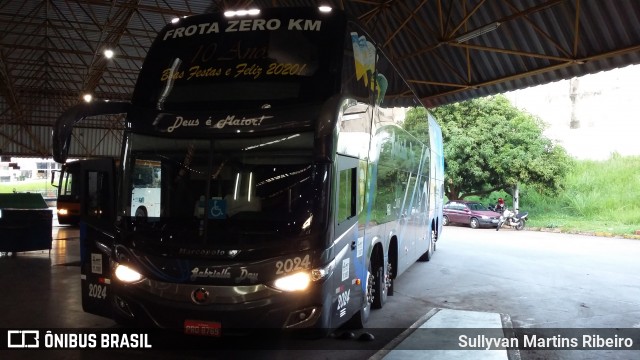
<point x="509" y="218"/>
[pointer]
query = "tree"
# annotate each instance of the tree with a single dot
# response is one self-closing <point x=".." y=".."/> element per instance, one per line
<point x="490" y="145"/>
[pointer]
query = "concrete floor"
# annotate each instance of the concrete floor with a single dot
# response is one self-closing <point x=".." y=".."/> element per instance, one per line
<point x="43" y="288"/>
<point x="531" y="280"/>
<point x="42" y="291"/>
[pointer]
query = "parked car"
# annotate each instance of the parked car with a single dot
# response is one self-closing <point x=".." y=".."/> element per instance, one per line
<point x="469" y="212"/>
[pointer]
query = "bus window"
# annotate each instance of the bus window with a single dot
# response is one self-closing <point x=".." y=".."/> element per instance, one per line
<point x="346" y="194"/>
<point x="67" y="184"/>
<point x="146" y="192"/>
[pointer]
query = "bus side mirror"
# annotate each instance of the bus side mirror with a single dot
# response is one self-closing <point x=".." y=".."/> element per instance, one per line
<point x="54" y="183"/>
<point x="62" y="130"/>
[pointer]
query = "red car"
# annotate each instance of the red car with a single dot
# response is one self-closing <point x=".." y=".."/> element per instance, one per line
<point x="469" y="212"/>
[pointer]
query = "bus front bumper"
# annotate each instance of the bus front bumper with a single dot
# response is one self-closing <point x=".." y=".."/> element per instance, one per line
<point x="231" y="309"/>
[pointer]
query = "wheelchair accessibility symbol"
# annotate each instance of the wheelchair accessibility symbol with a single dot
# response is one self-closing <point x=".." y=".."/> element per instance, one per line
<point x="217" y="209"/>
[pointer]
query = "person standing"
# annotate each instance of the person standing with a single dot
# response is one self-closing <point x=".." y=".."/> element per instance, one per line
<point x="500" y="206"/>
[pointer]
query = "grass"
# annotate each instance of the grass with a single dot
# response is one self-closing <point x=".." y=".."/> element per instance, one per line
<point x="600" y="197"/>
<point x="581" y="225"/>
<point x="43" y="186"/>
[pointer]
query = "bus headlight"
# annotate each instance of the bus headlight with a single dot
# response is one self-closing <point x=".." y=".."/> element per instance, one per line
<point x="127" y="274"/>
<point x="62" y="211"/>
<point x="294" y="282"/>
<point x="324" y="272"/>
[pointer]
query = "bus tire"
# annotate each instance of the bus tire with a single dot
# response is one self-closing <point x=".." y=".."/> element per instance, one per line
<point x="427" y="254"/>
<point x="359" y="319"/>
<point x="392" y="265"/>
<point x="379" y="285"/>
<point x="432" y="247"/>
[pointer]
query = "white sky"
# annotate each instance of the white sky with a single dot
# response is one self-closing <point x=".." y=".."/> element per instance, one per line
<point x="608" y="107"/>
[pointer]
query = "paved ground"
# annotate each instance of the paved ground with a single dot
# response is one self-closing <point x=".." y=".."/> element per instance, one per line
<point x="531" y="281"/>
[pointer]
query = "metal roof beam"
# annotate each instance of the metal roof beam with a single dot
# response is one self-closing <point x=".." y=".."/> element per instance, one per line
<point x="72" y="52"/>
<point x="412" y="15"/>
<point x="619" y="52"/>
<point x="136" y="6"/>
<point x="509" y="52"/>
<point x="119" y="24"/>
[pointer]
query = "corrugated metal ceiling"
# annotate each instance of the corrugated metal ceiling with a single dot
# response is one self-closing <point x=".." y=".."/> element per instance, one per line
<point x="50" y="50"/>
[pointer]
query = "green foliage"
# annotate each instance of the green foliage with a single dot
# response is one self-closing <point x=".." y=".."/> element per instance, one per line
<point x="598" y="196"/>
<point x="490" y="145"/>
<point x="415" y="124"/>
<point x="608" y="189"/>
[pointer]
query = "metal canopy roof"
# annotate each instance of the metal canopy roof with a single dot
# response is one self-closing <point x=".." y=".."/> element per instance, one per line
<point x="51" y="50"/>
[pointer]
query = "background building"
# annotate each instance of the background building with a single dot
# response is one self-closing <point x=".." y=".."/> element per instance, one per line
<point x="25" y="169"/>
<point x="592" y="116"/>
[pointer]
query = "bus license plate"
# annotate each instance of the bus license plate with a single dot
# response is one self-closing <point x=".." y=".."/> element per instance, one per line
<point x="202" y="328"/>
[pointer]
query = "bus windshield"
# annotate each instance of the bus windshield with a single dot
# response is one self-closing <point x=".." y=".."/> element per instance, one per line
<point x="208" y="61"/>
<point x="223" y="191"/>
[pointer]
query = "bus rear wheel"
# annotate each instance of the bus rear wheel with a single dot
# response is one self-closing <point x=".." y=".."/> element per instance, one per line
<point x="389" y="278"/>
<point x="432" y="247"/>
<point x="379" y="285"/>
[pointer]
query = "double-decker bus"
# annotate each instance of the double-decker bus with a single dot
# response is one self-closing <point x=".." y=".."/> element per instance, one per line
<point x="285" y="193"/>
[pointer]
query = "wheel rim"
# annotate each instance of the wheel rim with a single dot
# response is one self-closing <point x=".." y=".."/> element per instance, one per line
<point x="370" y="280"/>
<point x="387" y="278"/>
<point x="434" y="239"/>
<point x="383" y="285"/>
<point x="445" y="221"/>
<point x="366" y="308"/>
<point x="474" y="223"/>
<point x="379" y="288"/>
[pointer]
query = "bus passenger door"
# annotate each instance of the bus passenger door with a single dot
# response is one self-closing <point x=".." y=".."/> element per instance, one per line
<point x="97" y="207"/>
<point x="351" y="272"/>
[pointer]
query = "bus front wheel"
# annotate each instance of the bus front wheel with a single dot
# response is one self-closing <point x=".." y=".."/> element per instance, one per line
<point x="359" y="319"/>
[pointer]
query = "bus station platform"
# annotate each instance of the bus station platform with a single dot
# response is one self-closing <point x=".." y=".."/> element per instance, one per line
<point x="443" y="334"/>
